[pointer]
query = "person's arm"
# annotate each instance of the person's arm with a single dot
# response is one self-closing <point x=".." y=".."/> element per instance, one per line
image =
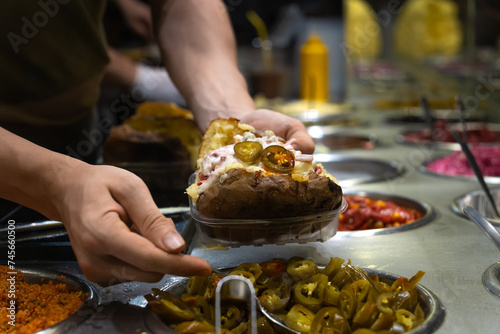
<point x="97" y="204"/>
<point x="137" y="15"/>
<point x="199" y="49"/>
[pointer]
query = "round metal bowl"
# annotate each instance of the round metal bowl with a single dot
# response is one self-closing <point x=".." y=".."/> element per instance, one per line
<point x="478" y="200"/>
<point x="350" y="171"/>
<point x="491" y="279"/>
<point x="404" y="137"/>
<point x="426" y="210"/>
<point x="424" y="169"/>
<point x="431" y="306"/>
<point x="73" y="283"/>
<point x="335" y="140"/>
<point x="416" y="117"/>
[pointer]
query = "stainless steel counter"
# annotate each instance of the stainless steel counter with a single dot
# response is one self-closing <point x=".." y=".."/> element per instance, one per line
<point x="452" y="250"/>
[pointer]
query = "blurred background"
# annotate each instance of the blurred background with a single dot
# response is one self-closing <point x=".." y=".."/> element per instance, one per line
<point x="377" y="42"/>
<point x="327" y="63"/>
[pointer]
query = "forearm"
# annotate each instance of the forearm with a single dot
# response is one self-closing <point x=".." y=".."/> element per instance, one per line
<point x="30" y="174"/>
<point x="199" y="49"/>
<point x="121" y="70"/>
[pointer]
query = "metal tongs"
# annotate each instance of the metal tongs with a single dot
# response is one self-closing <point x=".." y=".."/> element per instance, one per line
<point x="240" y="288"/>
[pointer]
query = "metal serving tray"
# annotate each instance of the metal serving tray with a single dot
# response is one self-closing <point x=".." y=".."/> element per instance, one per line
<point x="478" y="200"/>
<point x="427" y="211"/>
<point x="73" y="283"/>
<point x="433" y="308"/>
<point x="350" y="171"/>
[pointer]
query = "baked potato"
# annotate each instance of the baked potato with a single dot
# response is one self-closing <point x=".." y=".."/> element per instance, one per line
<point x="243" y="174"/>
<point x="158" y="132"/>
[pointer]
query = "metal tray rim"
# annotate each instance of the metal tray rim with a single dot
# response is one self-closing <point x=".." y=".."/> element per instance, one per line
<point x="445" y="145"/>
<point x="455" y="207"/>
<point x="491" y="279"/>
<point x="87" y="308"/>
<point x="398" y="168"/>
<point x="434" y="316"/>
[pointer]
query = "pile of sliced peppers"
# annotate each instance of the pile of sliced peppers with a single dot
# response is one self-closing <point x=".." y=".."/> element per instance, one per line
<point x="274" y="157"/>
<point x="339" y="299"/>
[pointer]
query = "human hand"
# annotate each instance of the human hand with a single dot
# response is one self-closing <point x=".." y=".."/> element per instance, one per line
<point x="97" y="204"/>
<point x="138" y="17"/>
<point x="282" y="125"/>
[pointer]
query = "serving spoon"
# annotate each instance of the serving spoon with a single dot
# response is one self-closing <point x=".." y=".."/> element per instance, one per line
<point x="484" y="224"/>
<point x="240" y="288"/>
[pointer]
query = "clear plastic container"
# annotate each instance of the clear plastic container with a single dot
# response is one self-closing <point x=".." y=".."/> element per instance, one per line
<point x="257" y="232"/>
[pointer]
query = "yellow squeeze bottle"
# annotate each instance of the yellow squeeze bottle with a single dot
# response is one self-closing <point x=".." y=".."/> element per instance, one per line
<point x="314" y="70"/>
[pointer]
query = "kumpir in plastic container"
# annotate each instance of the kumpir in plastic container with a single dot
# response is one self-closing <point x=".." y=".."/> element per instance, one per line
<point x="243" y="174"/>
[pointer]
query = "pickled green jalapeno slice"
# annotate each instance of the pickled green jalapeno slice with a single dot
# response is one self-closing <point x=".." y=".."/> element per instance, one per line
<point x="366" y="315"/>
<point x="329" y="320"/>
<point x="385" y="302"/>
<point x="252" y="268"/>
<point x="274" y="300"/>
<point x="299" y="318"/>
<point x="197" y="285"/>
<point x="278" y="159"/>
<point x="406" y="319"/>
<point x="310" y="291"/>
<point x="331" y="295"/>
<point x="169" y="307"/>
<point x="231" y="317"/>
<point x="360" y="288"/>
<point x="348" y="303"/>
<point x="248" y="151"/>
<point x="301" y="268"/>
<point x="243" y="273"/>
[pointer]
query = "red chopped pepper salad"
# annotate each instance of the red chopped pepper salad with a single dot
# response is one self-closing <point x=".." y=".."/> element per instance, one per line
<point x="365" y="213"/>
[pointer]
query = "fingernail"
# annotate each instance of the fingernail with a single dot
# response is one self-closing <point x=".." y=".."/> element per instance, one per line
<point x="174" y="241"/>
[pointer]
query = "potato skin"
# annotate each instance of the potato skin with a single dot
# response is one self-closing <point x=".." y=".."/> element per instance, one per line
<point x="245" y="195"/>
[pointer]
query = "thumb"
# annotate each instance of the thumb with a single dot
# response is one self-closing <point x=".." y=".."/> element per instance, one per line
<point x="161" y="232"/>
<point x="303" y="142"/>
<point x="137" y="201"/>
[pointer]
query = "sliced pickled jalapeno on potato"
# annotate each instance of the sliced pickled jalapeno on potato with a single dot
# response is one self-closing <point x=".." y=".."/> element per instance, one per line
<point x="278" y="159"/>
<point x="248" y="151"/>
